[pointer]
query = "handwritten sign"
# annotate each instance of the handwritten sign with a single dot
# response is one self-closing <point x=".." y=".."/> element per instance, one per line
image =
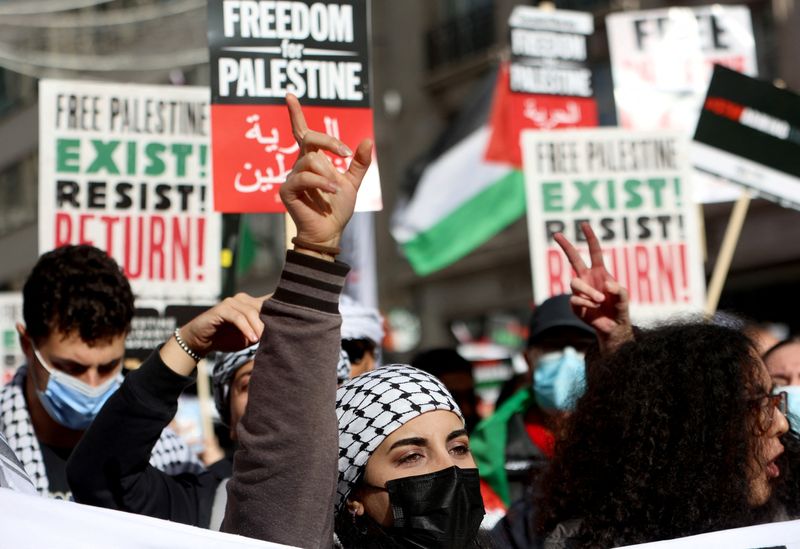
<point x="662" y="60"/>
<point x="126" y="168"/>
<point x="260" y="51"/>
<point x="633" y="188"/>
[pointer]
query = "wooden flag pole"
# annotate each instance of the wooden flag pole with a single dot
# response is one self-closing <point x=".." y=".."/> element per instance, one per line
<point x="725" y="256"/>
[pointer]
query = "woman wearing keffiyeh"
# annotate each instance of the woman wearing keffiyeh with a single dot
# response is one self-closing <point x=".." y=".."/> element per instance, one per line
<point x="405" y="473"/>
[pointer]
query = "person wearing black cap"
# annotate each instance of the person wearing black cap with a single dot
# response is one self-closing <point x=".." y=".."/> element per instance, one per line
<point x="516" y="442"/>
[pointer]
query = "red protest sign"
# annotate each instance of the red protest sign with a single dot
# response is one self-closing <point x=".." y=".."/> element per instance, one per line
<point x="514" y="112"/>
<point x="254" y="150"/>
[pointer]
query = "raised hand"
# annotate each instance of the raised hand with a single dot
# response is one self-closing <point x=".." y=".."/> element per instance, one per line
<point x="319" y="198"/>
<point x="231" y="325"/>
<point x="597" y="297"/>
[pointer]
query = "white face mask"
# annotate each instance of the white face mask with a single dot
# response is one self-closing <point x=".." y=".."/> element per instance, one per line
<point x="71" y="402"/>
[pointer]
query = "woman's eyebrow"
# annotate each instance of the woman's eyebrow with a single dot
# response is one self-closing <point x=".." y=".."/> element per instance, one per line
<point x="413" y="441"/>
<point x="456" y="434"/>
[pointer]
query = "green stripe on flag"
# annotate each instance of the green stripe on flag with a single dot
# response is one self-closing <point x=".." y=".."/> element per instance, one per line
<point x="470" y="225"/>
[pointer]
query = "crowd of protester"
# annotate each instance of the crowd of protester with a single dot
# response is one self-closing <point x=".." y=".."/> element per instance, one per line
<point x="615" y="435"/>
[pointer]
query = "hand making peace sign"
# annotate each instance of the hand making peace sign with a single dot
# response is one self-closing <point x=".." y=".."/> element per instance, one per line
<point x="319" y="198"/>
<point x="597" y="297"/>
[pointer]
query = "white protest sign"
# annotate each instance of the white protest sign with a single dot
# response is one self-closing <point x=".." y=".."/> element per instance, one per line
<point x="662" y="61"/>
<point x="633" y="188"/>
<point x="33" y="522"/>
<point x="779" y="534"/>
<point x="126" y="168"/>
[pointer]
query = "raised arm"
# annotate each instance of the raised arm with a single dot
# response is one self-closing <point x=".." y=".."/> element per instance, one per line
<point x="596" y="296"/>
<point x="110" y="466"/>
<point x="284" y="482"/>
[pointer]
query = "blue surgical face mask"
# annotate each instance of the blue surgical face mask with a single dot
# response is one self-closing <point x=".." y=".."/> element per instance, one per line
<point x="71" y="402"/>
<point x="559" y="379"/>
<point x="793" y="403"/>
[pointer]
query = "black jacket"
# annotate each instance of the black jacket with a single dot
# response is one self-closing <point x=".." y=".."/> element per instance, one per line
<point x="110" y="466"/>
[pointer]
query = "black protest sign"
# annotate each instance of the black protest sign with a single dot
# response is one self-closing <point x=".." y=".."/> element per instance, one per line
<point x="749" y="133"/>
<point x="549" y="52"/>
<point x="150" y="328"/>
<point x="262" y="50"/>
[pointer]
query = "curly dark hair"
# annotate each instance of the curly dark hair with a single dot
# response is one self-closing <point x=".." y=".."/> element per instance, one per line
<point x="77" y="289"/>
<point x="660" y="444"/>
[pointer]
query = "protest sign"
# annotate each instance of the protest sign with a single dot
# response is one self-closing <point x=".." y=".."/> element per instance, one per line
<point x="749" y="133"/>
<point x="547" y="84"/>
<point x="12" y="355"/>
<point x="260" y="51"/>
<point x="661" y="60"/>
<point x="153" y="324"/>
<point x="633" y="188"/>
<point x="75" y="526"/>
<point x="126" y="168"/>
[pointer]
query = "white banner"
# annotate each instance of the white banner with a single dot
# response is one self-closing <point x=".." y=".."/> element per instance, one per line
<point x="633" y="188"/>
<point x="34" y="522"/>
<point x="785" y="535"/>
<point x="126" y="168"/>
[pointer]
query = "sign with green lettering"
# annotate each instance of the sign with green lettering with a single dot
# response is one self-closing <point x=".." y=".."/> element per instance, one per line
<point x="633" y="188"/>
<point x="127" y="168"/>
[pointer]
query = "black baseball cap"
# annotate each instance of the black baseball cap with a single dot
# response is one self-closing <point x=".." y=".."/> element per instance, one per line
<point x="554" y="312"/>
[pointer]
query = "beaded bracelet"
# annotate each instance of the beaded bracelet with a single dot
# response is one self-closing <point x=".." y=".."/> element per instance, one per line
<point x="184" y="346"/>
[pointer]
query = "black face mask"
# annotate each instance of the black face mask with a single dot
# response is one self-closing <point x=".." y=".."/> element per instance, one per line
<point x="437" y="510"/>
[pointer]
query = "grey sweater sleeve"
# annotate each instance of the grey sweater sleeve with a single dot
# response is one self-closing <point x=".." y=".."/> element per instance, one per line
<point x="285" y="470"/>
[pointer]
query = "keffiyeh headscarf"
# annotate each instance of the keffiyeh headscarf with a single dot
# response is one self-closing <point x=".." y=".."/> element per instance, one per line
<point x="372" y="406"/>
<point x="225" y="368"/>
<point x="343" y="368"/>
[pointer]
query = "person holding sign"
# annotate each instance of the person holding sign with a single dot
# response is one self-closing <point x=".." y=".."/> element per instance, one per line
<point x="400" y="442"/>
<point x="677" y="433"/>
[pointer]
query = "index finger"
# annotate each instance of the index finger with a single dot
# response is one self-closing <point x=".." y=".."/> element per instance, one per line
<point x="572" y="254"/>
<point x="298" y="119"/>
<point x="595" y="251"/>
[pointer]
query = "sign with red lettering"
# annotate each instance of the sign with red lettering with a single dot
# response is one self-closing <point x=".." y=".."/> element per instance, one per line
<point x="126" y="168"/>
<point x="260" y="51"/>
<point x="662" y="61"/>
<point x="633" y="187"/>
<point x="547" y="84"/>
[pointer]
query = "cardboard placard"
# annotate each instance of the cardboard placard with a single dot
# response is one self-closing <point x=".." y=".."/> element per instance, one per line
<point x="633" y="188"/>
<point x="126" y="168"/>
<point x="319" y="51"/>
<point x="749" y="133"/>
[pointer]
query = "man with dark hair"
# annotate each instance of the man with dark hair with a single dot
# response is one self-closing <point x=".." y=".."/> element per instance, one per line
<point x="77" y="307"/>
